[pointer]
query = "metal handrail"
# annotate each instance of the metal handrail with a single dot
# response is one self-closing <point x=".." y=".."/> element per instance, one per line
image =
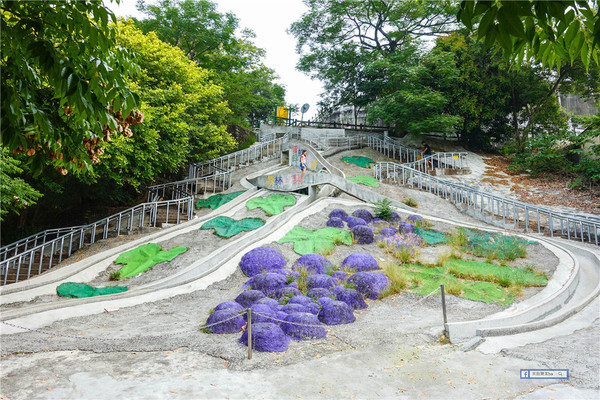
<point x="63" y="246"/>
<point x="494" y="205"/>
<point x="33" y="240"/>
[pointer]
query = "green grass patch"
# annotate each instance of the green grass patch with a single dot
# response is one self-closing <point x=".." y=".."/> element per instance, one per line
<point x="493" y="246"/>
<point x="364" y="180"/>
<point x="217" y="200"/>
<point x="504" y="276"/>
<point x="227" y="227"/>
<point x="273" y="204"/>
<point x="145" y="257"/>
<point x="322" y="241"/>
<point x="361" y="161"/>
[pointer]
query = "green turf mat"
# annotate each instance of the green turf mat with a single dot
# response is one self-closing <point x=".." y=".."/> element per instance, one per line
<point x="217" y="200"/>
<point x="227" y="227"/>
<point x="431" y="237"/>
<point x="364" y="180"/>
<point x="480" y="271"/>
<point x="495" y="245"/>
<point x="273" y="204"/>
<point x="358" y="160"/>
<point x="145" y="257"/>
<point x="322" y="241"/>
<point x="81" y="290"/>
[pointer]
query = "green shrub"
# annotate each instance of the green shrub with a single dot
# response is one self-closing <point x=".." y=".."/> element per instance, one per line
<point x="383" y="209"/>
<point x="410" y="202"/>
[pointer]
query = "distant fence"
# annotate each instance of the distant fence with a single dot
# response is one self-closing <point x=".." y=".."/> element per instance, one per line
<point x="533" y="218"/>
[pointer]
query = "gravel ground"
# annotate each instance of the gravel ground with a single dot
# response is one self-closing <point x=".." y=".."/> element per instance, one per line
<point x="391" y="351"/>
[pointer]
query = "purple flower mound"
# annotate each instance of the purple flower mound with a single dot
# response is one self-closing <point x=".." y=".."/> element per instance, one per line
<point x="336" y="290"/>
<point x="293" y="285"/>
<point x="302" y="300"/>
<point x="287" y="291"/>
<point x="313" y="263"/>
<point x="231" y="326"/>
<point x="325" y="300"/>
<point x="336" y="313"/>
<point x="353" y="221"/>
<point x="318" y="292"/>
<point x="280" y="315"/>
<point x="266" y="336"/>
<point x="363" y="214"/>
<point x="268" y="282"/>
<point x="229" y="305"/>
<point x="370" y="284"/>
<point x="338" y="213"/>
<point x="320" y="281"/>
<point x="405" y="227"/>
<point x="360" y="262"/>
<point x="313" y="308"/>
<point x="269" y="302"/>
<point x="413" y="239"/>
<point x="302" y="331"/>
<point x="249" y="297"/>
<point x="284" y="272"/>
<point x="335" y="222"/>
<point x="378" y="221"/>
<point x="261" y="259"/>
<point x="363" y="234"/>
<point x="415" y="219"/>
<point x="395" y="217"/>
<point x="263" y="309"/>
<point x="292" y="308"/>
<point x="385" y="232"/>
<point x="353" y="298"/>
<point x="340" y="276"/>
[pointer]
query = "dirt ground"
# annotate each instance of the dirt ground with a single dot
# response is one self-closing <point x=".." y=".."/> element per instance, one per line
<point x="393" y="350"/>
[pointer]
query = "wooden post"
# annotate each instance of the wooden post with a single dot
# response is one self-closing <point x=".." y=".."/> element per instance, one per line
<point x="249" y="334"/>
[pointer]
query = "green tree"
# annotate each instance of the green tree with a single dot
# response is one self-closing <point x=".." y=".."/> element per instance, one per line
<point x="15" y="193"/>
<point x="63" y="82"/>
<point x="185" y="111"/>
<point x="553" y="32"/>
<point x="209" y="38"/>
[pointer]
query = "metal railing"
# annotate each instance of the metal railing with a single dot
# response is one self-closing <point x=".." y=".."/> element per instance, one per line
<point x="31" y="241"/>
<point x="47" y="254"/>
<point x="534" y="218"/>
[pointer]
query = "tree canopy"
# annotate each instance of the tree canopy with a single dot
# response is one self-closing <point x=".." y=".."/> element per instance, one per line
<point x="63" y="82"/>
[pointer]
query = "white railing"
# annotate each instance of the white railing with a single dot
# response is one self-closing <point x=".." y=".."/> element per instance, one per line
<point x="47" y="254"/>
<point x="533" y="217"/>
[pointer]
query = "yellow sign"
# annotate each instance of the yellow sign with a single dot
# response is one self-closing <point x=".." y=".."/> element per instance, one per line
<point x="283" y="112"/>
<point x="455" y="157"/>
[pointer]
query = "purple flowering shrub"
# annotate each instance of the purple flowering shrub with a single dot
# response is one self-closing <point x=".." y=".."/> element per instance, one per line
<point x="261" y="259"/>
<point x="267" y="336"/>
<point x="370" y="284"/>
<point x="303" y="326"/>
<point x="287" y="291"/>
<point x="363" y="234"/>
<point x="338" y="213"/>
<point x="352" y="297"/>
<point x="223" y="322"/>
<point x="353" y="221"/>
<point x="324" y="300"/>
<point x="360" y="262"/>
<point x="313" y="308"/>
<point x="229" y="305"/>
<point x="316" y="293"/>
<point x="292" y="308"/>
<point x="340" y="276"/>
<point x="312" y="263"/>
<point x="336" y="313"/>
<point x="302" y="300"/>
<point x="265" y="312"/>
<point x="418" y="221"/>
<point x="320" y="281"/>
<point x="395" y="218"/>
<point x="335" y="222"/>
<point x="405" y="227"/>
<point x="280" y="315"/>
<point x="249" y="297"/>
<point x="269" y="302"/>
<point x="267" y="282"/>
<point x="391" y="231"/>
<point x="336" y="290"/>
<point x="364" y="215"/>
